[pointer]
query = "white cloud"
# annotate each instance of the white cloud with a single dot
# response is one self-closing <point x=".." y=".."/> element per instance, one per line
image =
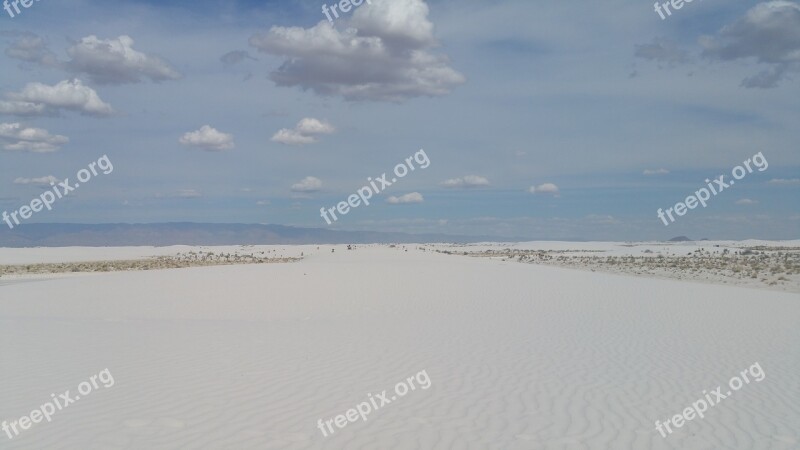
<point x="413" y="197"/>
<point x="767" y="33"/>
<point x="546" y="188"/>
<point x="30" y="147"/>
<point x="469" y="181"/>
<point x="307" y="184"/>
<point x="399" y="23"/>
<point x="304" y="132"/>
<point x="785" y="181"/>
<point x="746" y="201"/>
<point x="104" y="61"/>
<point x="309" y="125"/>
<point x="31" y="48"/>
<point x="44" y="181"/>
<point x="235" y="57"/>
<point x="208" y="138"/>
<point x="16" y="108"/>
<point x="655" y="172"/>
<point x="662" y="51"/>
<point x="292" y="137"/>
<point x="114" y="61"/>
<point x="384" y="54"/>
<point x="39" y="99"/>
<point x="17" y="137"/>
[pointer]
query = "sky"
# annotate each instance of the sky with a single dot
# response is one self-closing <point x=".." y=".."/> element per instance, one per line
<point x="539" y="120"/>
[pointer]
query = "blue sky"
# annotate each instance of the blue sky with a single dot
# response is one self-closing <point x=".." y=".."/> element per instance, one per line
<point x="188" y="100"/>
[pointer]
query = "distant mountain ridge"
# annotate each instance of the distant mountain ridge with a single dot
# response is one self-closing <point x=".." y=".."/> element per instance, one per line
<point x="187" y="233"/>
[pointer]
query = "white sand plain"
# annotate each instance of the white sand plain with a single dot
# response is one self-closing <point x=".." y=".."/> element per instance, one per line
<point x="520" y="356"/>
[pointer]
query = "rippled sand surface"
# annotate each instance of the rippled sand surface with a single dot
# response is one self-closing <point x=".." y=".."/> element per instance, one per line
<point x="520" y="356"/>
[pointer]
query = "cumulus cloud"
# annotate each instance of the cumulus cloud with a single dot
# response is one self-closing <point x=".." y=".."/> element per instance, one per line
<point x="746" y="201"/>
<point x="292" y="137"/>
<point x="104" y="61"/>
<point x="208" y="138"/>
<point x="114" y="61"/>
<point x="18" y="137"/>
<point x="30" y="48"/>
<point x="662" y="51"/>
<point x="768" y="33"/>
<point x="314" y="126"/>
<point x="307" y="184"/>
<point x="785" y="181"/>
<point x="384" y="54"/>
<point x="469" y="181"/>
<point x="23" y="109"/>
<point x="304" y="132"/>
<point x="546" y="188"/>
<point x="655" y="172"/>
<point x="42" y="181"/>
<point x="235" y="57"/>
<point x="413" y="197"/>
<point x="42" y="99"/>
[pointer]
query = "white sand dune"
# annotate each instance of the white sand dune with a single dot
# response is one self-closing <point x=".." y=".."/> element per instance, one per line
<point x="520" y="356"/>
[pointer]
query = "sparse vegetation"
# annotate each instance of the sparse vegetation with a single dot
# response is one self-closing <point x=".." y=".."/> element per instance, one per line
<point x="179" y="261"/>
<point x="778" y="267"/>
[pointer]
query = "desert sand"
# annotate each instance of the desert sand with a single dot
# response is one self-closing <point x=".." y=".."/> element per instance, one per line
<point x="521" y="355"/>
